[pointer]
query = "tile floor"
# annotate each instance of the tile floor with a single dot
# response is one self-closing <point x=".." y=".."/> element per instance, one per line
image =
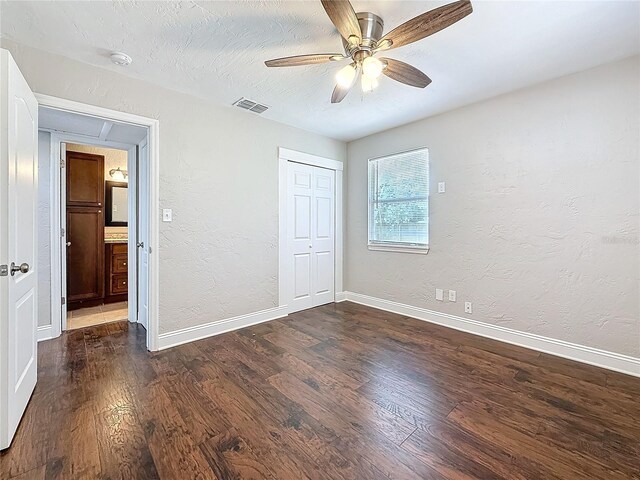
<point x="86" y="317"/>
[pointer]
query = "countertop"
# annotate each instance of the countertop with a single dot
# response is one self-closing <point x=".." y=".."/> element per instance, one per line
<point x="116" y="238"/>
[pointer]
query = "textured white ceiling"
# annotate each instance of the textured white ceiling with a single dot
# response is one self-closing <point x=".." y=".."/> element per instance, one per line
<point x="216" y="50"/>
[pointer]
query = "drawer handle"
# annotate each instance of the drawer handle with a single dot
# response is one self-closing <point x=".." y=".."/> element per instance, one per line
<point x="124" y="264"/>
<point x="124" y="283"/>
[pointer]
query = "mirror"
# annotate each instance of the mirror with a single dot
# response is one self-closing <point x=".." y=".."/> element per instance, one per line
<point x="117" y="206"/>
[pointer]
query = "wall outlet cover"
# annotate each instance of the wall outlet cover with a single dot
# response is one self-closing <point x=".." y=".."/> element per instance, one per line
<point x="439" y="294"/>
<point x="467" y="307"/>
<point x="452" y="295"/>
<point x="441" y="187"/>
<point x="167" y="215"/>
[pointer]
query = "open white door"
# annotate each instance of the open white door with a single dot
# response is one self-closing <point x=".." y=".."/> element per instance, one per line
<point x="143" y="234"/>
<point x="18" y="220"/>
<point x="64" y="243"/>
<point x="310" y="236"/>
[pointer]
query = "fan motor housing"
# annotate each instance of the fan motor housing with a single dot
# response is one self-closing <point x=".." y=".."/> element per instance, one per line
<point x="371" y="26"/>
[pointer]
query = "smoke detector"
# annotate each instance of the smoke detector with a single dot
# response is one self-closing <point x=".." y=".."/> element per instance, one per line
<point x="121" y="59"/>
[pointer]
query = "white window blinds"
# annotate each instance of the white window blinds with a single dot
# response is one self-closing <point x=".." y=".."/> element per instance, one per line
<point x="399" y="200"/>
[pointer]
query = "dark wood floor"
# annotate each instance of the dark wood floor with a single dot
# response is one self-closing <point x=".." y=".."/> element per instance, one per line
<point x="337" y="392"/>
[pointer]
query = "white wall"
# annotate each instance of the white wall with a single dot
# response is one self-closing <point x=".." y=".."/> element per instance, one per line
<point x="44" y="235"/>
<point x="538" y="227"/>
<point x="219" y="174"/>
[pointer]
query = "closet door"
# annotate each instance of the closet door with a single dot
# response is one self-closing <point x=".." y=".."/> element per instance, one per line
<point x="310" y="236"/>
<point x="85" y="228"/>
<point x="85" y="255"/>
<point x="85" y="180"/>
<point x="323" y="237"/>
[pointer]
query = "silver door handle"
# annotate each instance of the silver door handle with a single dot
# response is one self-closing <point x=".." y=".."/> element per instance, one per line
<point x="140" y="244"/>
<point x="22" y="268"/>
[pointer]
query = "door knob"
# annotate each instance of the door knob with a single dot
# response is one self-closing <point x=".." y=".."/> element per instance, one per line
<point x="68" y="244"/>
<point x="22" y="268"/>
<point x="140" y="244"/>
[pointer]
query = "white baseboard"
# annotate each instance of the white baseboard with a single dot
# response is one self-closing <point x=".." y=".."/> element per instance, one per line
<point x="191" y="334"/>
<point x="45" y="332"/>
<point x="340" y="297"/>
<point x="592" y="356"/>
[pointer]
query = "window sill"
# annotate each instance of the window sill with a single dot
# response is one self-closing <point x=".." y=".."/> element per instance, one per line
<point x="399" y="249"/>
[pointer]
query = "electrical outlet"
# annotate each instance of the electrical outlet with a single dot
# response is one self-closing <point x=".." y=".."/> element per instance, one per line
<point x="467" y="307"/>
<point x="167" y="215"/>
<point x="452" y="295"/>
<point x="439" y="294"/>
<point x="441" y="187"/>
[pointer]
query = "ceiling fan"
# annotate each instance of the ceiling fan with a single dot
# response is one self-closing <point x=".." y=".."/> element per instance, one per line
<point x="362" y="39"/>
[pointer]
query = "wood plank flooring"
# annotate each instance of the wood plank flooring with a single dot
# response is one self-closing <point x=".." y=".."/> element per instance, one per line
<point x="337" y="392"/>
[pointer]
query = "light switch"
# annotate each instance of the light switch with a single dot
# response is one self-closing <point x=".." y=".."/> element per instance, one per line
<point x="167" y="214"/>
<point x="452" y="295"/>
<point x="439" y="294"/>
<point x="441" y="187"/>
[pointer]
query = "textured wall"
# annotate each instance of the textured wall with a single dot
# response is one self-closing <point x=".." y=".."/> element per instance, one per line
<point x="539" y="224"/>
<point x="219" y="174"/>
<point x="44" y="235"/>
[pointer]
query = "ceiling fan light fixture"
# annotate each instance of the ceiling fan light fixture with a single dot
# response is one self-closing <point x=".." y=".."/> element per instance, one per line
<point x="384" y="44"/>
<point x="372" y="67"/>
<point x="345" y="75"/>
<point x="368" y="84"/>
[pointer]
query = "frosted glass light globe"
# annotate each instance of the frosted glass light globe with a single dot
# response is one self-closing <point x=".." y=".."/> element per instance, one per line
<point x="345" y="76"/>
<point x="372" y="67"/>
<point x="368" y="84"/>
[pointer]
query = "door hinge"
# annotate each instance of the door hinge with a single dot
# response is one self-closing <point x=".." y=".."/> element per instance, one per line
<point x="63" y="301"/>
<point x="62" y="232"/>
<point x="4" y="270"/>
<point x="62" y="162"/>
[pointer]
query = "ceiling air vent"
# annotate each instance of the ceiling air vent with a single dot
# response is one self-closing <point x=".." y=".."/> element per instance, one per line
<point x="250" y="105"/>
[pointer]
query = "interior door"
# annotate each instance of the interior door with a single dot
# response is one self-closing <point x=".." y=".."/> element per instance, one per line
<point x="85" y="255"/>
<point x="63" y="243"/>
<point x="310" y="236"/>
<point x="143" y="233"/>
<point x="18" y="246"/>
<point x="323" y="236"/>
<point x="85" y="228"/>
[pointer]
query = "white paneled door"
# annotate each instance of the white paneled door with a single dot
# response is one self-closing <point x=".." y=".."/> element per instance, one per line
<point x="143" y="234"/>
<point x="310" y="236"/>
<point x="18" y="273"/>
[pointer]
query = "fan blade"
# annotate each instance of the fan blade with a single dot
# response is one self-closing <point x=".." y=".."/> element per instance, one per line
<point x="405" y="73"/>
<point x="304" y="60"/>
<point x="428" y="23"/>
<point x="343" y="17"/>
<point x="340" y="92"/>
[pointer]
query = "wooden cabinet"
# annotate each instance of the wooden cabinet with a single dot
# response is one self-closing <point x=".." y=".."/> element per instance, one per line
<point x="85" y="229"/>
<point x="117" y="280"/>
<point x="85" y="180"/>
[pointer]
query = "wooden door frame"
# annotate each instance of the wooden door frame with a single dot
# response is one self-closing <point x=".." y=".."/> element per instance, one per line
<point x="285" y="156"/>
<point x="58" y="311"/>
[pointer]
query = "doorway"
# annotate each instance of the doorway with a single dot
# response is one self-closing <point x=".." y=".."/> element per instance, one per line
<point x="103" y="186"/>
<point x="96" y="229"/>
<point x="310" y="268"/>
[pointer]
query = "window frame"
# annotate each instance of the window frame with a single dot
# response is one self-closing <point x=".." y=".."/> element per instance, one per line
<point x="396" y="246"/>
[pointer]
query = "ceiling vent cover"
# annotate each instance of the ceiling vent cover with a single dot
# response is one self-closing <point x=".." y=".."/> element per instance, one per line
<point x="250" y="105"/>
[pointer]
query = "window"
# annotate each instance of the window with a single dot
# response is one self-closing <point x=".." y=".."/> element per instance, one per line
<point x="399" y="202"/>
